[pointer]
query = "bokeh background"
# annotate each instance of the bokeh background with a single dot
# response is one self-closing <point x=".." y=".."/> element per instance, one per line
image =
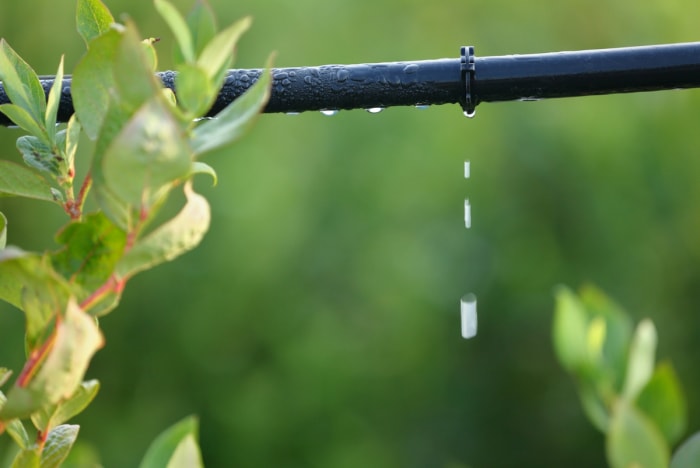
<point x="318" y="324"/>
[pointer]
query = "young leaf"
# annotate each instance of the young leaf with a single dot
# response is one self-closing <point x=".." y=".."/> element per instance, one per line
<point x="5" y="375"/>
<point x="149" y="154"/>
<point x="662" y="400"/>
<point x="3" y="243"/>
<point x="21" y="83"/>
<point x="199" y="167"/>
<point x="633" y="440"/>
<point x="688" y="454"/>
<point x="24" y="120"/>
<point x="218" y="52"/>
<point x="51" y="416"/>
<point x="38" y="155"/>
<point x="68" y="140"/>
<point x="76" y="339"/>
<point x="170" y="240"/>
<point x="569" y="331"/>
<point x="93" y="81"/>
<point x="232" y="122"/>
<point x="164" y="450"/>
<point x="93" y="19"/>
<point x="58" y="445"/>
<point x="178" y="26"/>
<point x="52" y="102"/>
<point x="640" y="364"/>
<point x="16" y="180"/>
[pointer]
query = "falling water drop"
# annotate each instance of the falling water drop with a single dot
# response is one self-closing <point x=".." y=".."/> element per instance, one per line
<point x="468" y="313"/>
<point x="467" y="214"/>
<point x="374" y="110"/>
<point x="329" y="112"/>
<point x="470" y="114"/>
<point x="467" y="169"/>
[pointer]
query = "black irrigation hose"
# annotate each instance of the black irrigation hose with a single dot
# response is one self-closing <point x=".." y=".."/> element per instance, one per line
<point x="468" y="80"/>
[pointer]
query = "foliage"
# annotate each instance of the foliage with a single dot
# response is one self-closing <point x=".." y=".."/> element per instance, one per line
<point x="148" y="144"/>
<point x="637" y="404"/>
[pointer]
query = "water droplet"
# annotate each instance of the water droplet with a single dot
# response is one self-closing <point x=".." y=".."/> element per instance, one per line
<point x="422" y="106"/>
<point x="329" y="112"/>
<point x="467" y="214"/>
<point x="342" y="75"/>
<point x="374" y="110"/>
<point x="467" y="169"/>
<point x="470" y="114"/>
<point x="293" y="113"/>
<point x="468" y="314"/>
<point x="411" y="68"/>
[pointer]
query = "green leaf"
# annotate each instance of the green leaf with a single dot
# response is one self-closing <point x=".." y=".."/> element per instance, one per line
<point x="170" y="240"/>
<point x="38" y="155"/>
<point x="93" y="19"/>
<point x="218" y="53"/>
<point x="58" y="445"/>
<point x="21" y="83"/>
<point x="641" y="359"/>
<point x="165" y="451"/>
<point x="178" y="26"/>
<point x="77" y="338"/>
<point x="202" y="24"/>
<point x="24" y="120"/>
<point x="14" y="427"/>
<point x="663" y="401"/>
<point x="93" y="81"/>
<point x="91" y="249"/>
<point x="53" y="101"/>
<point x="117" y="210"/>
<point x="24" y="273"/>
<point x="199" y="167"/>
<point x="133" y="74"/>
<point x="3" y="243"/>
<point x="29" y="458"/>
<point x="51" y="416"/>
<point x="232" y="122"/>
<point x="634" y="441"/>
<point x="688" y="454"/>
<point x="593" y="406"/>
<point x="569" y="331"/>
<point x="194" y="90"/>
<point x="148" y="155"/>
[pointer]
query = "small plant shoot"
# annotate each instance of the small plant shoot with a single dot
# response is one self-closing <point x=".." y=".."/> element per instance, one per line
<point x="148" y="143"/>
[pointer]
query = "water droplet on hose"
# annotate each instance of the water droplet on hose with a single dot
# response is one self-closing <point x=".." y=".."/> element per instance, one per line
<point x="411" y="68"/>
<point x="468" y="315"/>
<point x="470" y="114"/>
<point x="467" y="214"/>
<point x="374" y="110"/>
<point x="422" y="106"/>
<point x="292" y="113"/>
<point x="342" y="75"/>
<point x="329" y="112"/>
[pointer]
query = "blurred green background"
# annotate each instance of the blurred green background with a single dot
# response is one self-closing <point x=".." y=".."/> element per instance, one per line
<point x="318" y="324"/>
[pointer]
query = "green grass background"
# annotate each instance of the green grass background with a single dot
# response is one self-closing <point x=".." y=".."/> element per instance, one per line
<point x="318" y="324"/>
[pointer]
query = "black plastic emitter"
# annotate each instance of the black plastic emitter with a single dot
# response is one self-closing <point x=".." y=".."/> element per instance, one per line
<point x="467" y="80"/>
